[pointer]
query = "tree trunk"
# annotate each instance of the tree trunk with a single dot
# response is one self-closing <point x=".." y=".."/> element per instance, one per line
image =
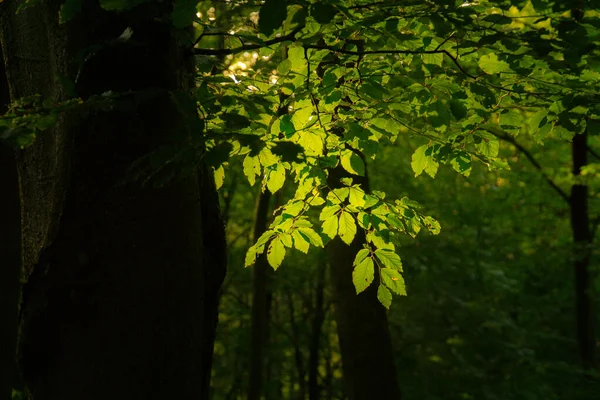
<point x="315" y="334"/>
<point x="582" y="247"/>
<point x="10" y="253"/>
<point x="365" y="343"/>
<point x="123" y="279"/>
<point x="260" y="304"/>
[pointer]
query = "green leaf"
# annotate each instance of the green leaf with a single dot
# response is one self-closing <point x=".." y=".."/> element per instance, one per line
<point x="276" y="253"/>
<point x="271" y="16"/>
<point x="250" y="256"/>
<point x="302" y="112"/>
<point x="219" y="177"/>
<point x="251" y="168"/>
<point x="357" y="196"/>
<point x="384" y="296"/>
<point x="330" y="227"/>
<point x="312" y="236"/>
<point x="276" y="178"/>
<point x="337" y="196"/>
<point x="491" y="65"/>
<point x="422" y="162"/>
<point x="346" y="227"/>
<point x="352" y="162"/>
<point x="433" y="59"/>
<point x="296" y="56"/>
<point x="389" y="259"/>
<point x="264" y="238"/>
<point x="489" y="144"/>
<point x="363" y="274"/>
<point x="329" y="211"/>
<point x="300" y="242"/>
<point x="361" y="255"/>
<point x="393" y="280"/>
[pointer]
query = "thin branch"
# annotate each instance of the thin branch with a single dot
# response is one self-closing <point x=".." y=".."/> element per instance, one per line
<point x="445" y="40"/>
<point x="390" y="51"/>
<point x="223" y="52"/>
<point x="593" y="153"/>
<point x="534" y="162"/>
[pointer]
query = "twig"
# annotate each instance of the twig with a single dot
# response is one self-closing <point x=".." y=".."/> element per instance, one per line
<point x="534" y="162"/>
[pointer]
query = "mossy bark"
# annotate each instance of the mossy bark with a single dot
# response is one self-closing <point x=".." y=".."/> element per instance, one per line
<point x="123" y="278"/>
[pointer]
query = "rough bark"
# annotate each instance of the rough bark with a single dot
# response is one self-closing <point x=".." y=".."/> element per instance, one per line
<point x="260" y="303"/>
<point x="10" y="253"/>
<point x="365" y="342"/>
<point x="123" y="279"/>
<point x="582" y="246"/>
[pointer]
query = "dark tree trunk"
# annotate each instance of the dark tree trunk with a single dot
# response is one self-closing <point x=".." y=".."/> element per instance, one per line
<point x="365" y="343"/>
<point x="582" y="252"/>
<point x="123" y="279"/>
<point x="260" y="303"/>
<point x="10" y="253"/>
<point x="298" y="356"/>
<point x="315" y="334"/>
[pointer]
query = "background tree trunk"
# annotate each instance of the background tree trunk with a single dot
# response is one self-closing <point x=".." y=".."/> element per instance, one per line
<point x="582" y="253"/>
<point x="365" y="342"/>
<point x="260" y="304"/>
<point x="10" y="253"/>
<point x="123" y="279"/>
<point x="316" y="332"/>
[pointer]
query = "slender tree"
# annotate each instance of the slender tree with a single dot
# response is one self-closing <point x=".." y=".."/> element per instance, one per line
<point x="260" y="303"/>
<point x="123" y="278"/>
<point x="365" y="342"/>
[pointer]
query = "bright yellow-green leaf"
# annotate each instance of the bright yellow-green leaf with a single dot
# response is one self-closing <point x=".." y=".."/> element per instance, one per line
<point x="312" y="236"/>
<point x="286" y="239"/>
<point x="330" y="227"/>
<point x="346" y="227"/>
<point x="276" y="178"/>
<point x="302" y="111"/>
<point x="336" y="196"/>
<point x="250" y="256"/>
<point x="389" y="259"/>
<point x="384" y="296"/>
<point x="219" y="177"/>
<point x="329" y="211"/>
<point x="352" y="162"/>
<point x="393" y="280"/>
<point x="251" y="168"/>
<point x="300" y="242"/>
<point x="276" y="253"/>
<point x="357" y="196"/>
<point x="363" y="274"/>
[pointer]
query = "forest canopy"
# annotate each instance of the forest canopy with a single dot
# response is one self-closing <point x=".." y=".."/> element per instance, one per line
<point x="341" y="112"/>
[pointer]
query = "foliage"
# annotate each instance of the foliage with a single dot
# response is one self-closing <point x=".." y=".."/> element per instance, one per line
<point x="341" y="79"/>
<point x="317" y="85"/>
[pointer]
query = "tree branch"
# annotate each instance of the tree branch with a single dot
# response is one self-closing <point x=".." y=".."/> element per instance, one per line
<point x="223" y="52"/>
<point x="593" y="153"/>
<point x="534" y="162"/>
<point x="390" y="51"/>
